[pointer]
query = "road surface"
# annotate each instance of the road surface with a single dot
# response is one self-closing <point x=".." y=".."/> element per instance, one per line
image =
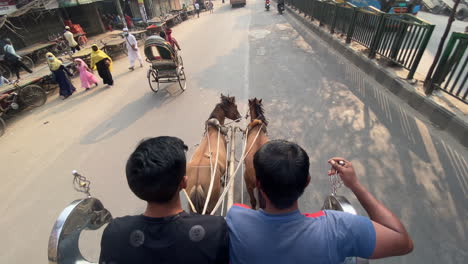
<point x="312" y="96"/>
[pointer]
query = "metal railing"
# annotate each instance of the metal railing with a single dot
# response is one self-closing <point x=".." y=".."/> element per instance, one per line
<point x="403" y="39"/>
<point x="400" y="38"/>
<point x="451" y="73"/>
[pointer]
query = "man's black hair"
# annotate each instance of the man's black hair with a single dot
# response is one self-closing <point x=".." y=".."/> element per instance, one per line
<point x="282" y="168"/>
<point x="156" y="168"/>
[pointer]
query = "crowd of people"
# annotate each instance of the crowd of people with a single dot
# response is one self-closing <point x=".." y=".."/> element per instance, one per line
<point x="99" y="61"/>
<point x="278" y="233"/>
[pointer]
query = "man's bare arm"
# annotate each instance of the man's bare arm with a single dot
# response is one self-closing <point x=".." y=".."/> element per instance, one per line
<point x="392" y="239"/>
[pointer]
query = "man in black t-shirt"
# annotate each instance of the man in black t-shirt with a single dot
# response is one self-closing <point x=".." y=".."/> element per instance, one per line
<point x="164" y="233"/>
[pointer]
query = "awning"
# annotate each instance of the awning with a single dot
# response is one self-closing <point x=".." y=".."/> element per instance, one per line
<point x="69" y="3"/>
<point x="7" y="6"/>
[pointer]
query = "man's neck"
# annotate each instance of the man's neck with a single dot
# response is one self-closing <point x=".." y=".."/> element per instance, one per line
<point x="158" y="210"/>
<point x="269" y="208"/>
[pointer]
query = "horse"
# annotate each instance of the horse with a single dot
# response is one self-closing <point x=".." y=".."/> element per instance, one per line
<point x="256" y="137"/>
<point x="208" y="157"/>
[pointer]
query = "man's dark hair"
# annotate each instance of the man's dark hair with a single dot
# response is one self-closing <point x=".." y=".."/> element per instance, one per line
<point x="282" y="168"/>
<point x="156" y="168"/>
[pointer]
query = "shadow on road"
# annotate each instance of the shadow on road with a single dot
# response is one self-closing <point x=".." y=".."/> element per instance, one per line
<point x="127" y="115"/>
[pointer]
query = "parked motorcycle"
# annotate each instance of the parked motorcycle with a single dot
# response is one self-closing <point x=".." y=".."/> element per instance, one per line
<point x="281" y="8"/>
<point x="267" y="5"/>
<point x="18" y="99"/>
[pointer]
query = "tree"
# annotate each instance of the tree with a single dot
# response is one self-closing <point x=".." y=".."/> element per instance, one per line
<point x="428" y="81"/>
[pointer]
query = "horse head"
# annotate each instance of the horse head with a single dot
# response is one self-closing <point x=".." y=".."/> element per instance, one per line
<point x="229" y="106"/>
<point x="256" y="111"/>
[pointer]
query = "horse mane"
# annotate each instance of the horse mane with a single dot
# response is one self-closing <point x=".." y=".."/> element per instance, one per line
<point x="260" y="112"/>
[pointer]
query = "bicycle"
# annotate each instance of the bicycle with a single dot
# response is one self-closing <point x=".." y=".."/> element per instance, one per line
<point x="21" y="97"/>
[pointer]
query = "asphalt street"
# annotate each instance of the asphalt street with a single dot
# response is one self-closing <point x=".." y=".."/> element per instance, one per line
<point x="312" y="96"/>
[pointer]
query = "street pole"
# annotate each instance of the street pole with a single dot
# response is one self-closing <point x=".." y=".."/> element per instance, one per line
<point x="141" y="5"/>
<point x="121" y="14"/>
<point x="428" y="87"/>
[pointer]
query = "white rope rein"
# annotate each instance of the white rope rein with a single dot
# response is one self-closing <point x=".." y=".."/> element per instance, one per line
<point x="241" y="161"/>
<point x="190" y="201"/>
<point x="213" y="170"/>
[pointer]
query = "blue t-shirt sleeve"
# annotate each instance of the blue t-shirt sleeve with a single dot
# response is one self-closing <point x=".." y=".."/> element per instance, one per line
<point x="354" y="235"/>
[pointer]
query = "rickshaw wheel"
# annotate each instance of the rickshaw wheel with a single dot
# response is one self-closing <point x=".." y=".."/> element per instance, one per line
<point x="28" y="62"/>
<point x="32" y="95"/>
<point x="153" y="80"/>
<point x="181" y="62"/>
<point x="5" y="71"/>
<point x="182" y="79"/>
<point x="2" y="127"/>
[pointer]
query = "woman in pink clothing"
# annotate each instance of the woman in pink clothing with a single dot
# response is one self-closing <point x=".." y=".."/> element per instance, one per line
<point x="86" y="76"/>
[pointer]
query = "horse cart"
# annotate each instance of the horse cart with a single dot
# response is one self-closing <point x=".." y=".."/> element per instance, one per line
<point x="90" y="214"/>
<point x="114" y="46"/>
<point x="166" y="64"/>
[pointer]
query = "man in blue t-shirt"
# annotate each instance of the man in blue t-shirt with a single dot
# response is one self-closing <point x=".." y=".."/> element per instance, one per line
<point x="280" y="233"/>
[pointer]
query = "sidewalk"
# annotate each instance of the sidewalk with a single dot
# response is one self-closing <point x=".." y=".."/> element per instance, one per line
<point x="444" y="111"/>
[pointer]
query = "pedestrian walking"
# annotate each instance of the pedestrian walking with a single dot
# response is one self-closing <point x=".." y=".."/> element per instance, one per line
<point x="197" y="9"/>
<point x="86" y="76"/>
<point x="210" y="6"/>
<point x="74" y="46"/>
<point x="132" y="48"/>
<point x="14" y="60"/>
<point x="129" y="21"/>
<point x="169" y="38"/>
<point x="60" y="74"/>
<point x="103" y="63"/>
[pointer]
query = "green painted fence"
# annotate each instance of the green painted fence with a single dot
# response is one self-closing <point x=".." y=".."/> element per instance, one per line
<point x="451" y="73"/>
<point x="400" y="38"/>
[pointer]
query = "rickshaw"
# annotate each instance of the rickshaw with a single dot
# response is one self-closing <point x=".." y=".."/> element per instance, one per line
<point x="166" y="64"/>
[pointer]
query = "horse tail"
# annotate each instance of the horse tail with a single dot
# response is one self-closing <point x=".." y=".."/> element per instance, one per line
<point x="197" y="195"/>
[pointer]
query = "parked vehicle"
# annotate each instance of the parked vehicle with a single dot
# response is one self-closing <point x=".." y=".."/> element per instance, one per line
<point x="391" y="7"/>
<point x="18" y="99"/>
<point x="281" y="8"/>
<point x="237" y="3"/>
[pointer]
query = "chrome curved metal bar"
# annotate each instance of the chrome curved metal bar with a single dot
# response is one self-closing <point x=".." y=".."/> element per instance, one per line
<point x="83" y="214"/>
<point x="338" y="203"/>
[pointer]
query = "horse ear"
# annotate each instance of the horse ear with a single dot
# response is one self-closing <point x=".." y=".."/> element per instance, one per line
<point x="232" y="99"/>
<point x="250" y="101"/>
<point x="260" y="101"/>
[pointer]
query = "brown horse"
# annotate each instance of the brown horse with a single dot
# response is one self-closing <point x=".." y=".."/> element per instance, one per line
<point x="257" y="126"/>
<point x="199" y="168"/>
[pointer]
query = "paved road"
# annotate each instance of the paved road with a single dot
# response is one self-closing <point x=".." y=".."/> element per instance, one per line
<point x="440" y="22"/>
<point x="312" y="96"/>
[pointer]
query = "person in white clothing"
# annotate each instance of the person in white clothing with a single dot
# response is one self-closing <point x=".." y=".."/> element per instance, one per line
<point x="71" y="40"/>
<point x="197" y="9"/>
<point x="132" y="48"/>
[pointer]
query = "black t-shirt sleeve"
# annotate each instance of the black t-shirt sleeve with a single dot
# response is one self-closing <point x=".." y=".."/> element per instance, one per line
<point x="223" y="250"/>
<point x="108" y="249"/>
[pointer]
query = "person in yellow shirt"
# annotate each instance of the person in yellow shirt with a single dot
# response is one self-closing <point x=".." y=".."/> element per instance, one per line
<point x="71" y="40"/>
